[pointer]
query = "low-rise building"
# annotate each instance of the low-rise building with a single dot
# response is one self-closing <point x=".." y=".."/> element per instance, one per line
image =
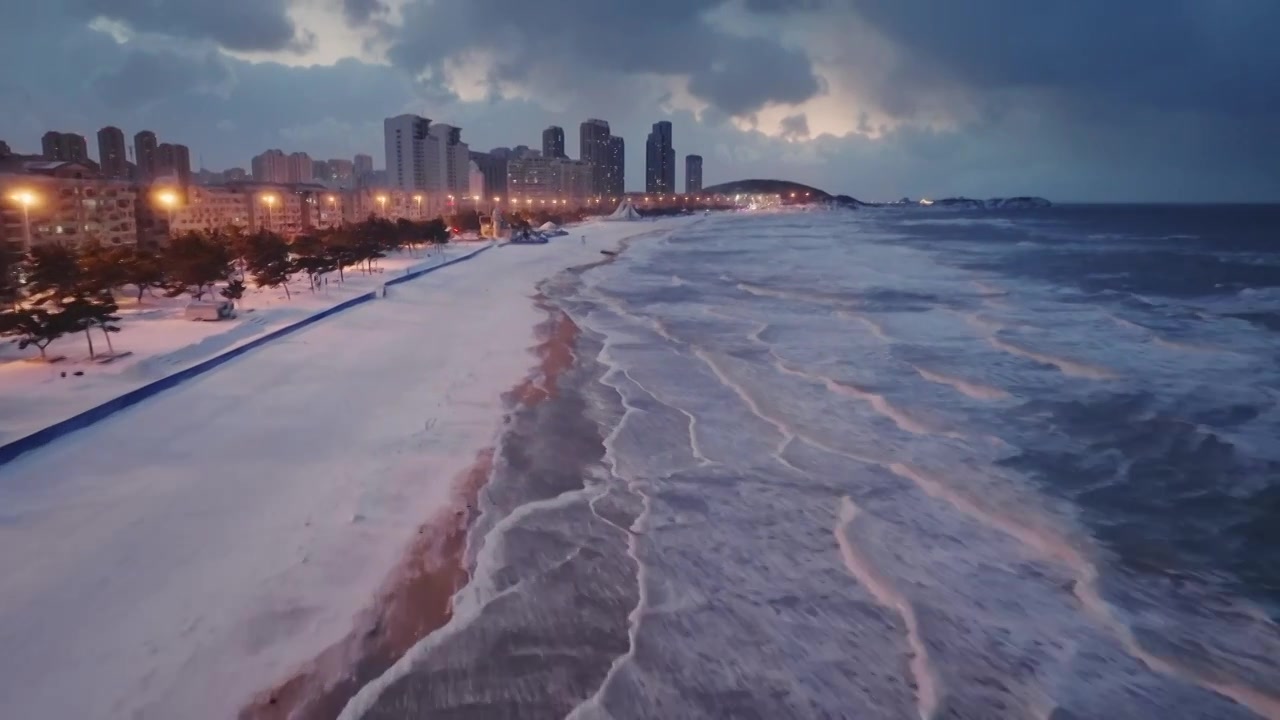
<point x="64" y="202"/>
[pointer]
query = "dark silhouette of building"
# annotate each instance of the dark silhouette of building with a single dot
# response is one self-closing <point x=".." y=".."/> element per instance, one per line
<point x="593" y="147"/>
<point x="112" y="153"/>
<point x="68" y="147"/>
<point x="692" y="173"/>
<point x="173" y="160"/>
<point x="617" y="175"/>
<point x="553" y="142"/>
<point x="660" y="160"/>
<point x="493" y="165"/>
<point x="144" y="155"/>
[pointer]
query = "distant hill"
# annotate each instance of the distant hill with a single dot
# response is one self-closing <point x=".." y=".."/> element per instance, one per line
<point x="768" y="187"/>
<point x="785" y="188"/>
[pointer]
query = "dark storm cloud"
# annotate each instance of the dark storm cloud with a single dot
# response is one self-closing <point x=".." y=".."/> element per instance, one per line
<point x="233" y="24"/>
<point x="1171" y="54"/>
<point x="164" y="74"/>
<point x="664" y="37"/>
<point x="795" y="127"/>
<point x="360" y="12"/>
<point x="1075" y="101"/>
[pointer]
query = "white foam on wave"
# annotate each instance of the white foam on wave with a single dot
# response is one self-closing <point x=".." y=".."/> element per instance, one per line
<point x="1071" y="368"/>
<point x="876" y="329"/>
<point x="638" y="527"/>
<point x="862" y="569"/>
<point x="877" y="402"/>
<point x="972" y="389"/>
<point x="1086" y="591"/>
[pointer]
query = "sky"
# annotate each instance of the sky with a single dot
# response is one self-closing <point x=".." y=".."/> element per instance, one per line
<point x="1090" y="100"/>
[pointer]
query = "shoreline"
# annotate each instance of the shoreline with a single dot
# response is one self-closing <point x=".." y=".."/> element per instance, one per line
<point x="417" y="598"/>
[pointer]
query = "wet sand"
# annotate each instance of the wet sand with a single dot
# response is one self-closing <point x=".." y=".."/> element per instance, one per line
<point x="417" y="598"/>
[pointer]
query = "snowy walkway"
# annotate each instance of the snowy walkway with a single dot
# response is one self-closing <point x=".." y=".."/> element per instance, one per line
<point x="190" y="551"/>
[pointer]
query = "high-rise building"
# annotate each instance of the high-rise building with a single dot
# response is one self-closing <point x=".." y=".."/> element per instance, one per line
<point x="553" y="142"/>
<point x="660" y="160"/>
<point x="271" y="166"/>
<point x="617" y="163"/>
<point x="298" y="168"/>
<point x="413" y="153"/>
<point x="692" y="173"/>
<point x="493" y="165"/>
<point x="593" y="147"/>
<point x="455" y="158"/>
<point x="68" y="147"/>
<point x="174" y="160"/>
<point x="361" y="165"/>
<point x="341" y="173"/>
<point x="112" y="155"/>
<point x="144" y="155"/>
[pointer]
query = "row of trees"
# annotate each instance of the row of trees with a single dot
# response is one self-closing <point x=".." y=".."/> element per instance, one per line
<point x="54" y="290"/>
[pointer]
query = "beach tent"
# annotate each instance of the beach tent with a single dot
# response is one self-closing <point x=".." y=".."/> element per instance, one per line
<point x="625" y="211"/>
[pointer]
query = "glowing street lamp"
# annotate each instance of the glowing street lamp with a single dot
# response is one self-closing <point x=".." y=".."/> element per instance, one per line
<point x="270" y="202"/>
<point x="333" y="210"/>
<point x="418" y="200"/>
<point x="169" y="200"/>
<point x="26" y="199"/>
<point x="382" y="204"/>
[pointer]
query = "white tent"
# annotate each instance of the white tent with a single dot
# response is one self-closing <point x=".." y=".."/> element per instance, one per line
<point x="548" y="225"/>
<point x="625" y="211"/>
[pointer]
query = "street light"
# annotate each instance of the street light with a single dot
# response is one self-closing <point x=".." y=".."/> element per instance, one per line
<point x="382" y="204"/>
<point x="418" y="200"/>
<point x="333" y="211"/>
<point x="269" y="201"/>
<point x="26" y="199"/>
<point x="169" y="200"/>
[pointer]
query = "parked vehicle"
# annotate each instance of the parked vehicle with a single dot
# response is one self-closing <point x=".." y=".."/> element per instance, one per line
<point x="219" y="310"/>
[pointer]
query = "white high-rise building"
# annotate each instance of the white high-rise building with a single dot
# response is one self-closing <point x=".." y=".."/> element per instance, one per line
<point x="454" y="162"/>
<point x="414" y="158"/>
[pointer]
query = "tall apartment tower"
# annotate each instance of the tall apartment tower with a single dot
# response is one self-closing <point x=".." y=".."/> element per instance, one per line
<point x="272" y="166"/>
<point x="453" y="167"/>
<point x="413" y="153"/>
<point x="144" y="155"/>
<point x="553" y="142"/>
<point x="692" y="173"/>
<point x="660" y="160"/>
<point x="617" y="176"/>
<point x="173" y="160"/>
<point x="593" y="147"/>
<point x="112" y="155"/>
<point x="68" y="147"/>
<point x="300" y="168"/>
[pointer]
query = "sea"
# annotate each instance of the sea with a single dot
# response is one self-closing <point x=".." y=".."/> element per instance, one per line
<point x="889" y="463"/>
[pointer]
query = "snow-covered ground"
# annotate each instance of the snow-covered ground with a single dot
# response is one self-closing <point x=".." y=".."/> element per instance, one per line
<point x="162" y="342"/>
<point x="180" y="556"/>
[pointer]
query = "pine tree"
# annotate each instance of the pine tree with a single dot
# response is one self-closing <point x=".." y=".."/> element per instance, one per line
<point x="36" y="326"/>
<point x="53" y="274"/>
<point x="101" y="267"/>
<point x="268" y="261"/>
<point x="193" y="262"/>
<point x="311" y="257"/>
<point x="83" y="313"/>
<point x="234" y="290"/>
<point x="141" y="267"/>
<point x="9" y="271"/>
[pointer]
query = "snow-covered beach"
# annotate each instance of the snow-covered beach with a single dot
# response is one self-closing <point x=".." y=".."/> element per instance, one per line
<point x="184" y="555"/>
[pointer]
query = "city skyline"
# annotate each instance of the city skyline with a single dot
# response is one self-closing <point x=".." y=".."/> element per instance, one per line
<point x="146" y="158"/>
